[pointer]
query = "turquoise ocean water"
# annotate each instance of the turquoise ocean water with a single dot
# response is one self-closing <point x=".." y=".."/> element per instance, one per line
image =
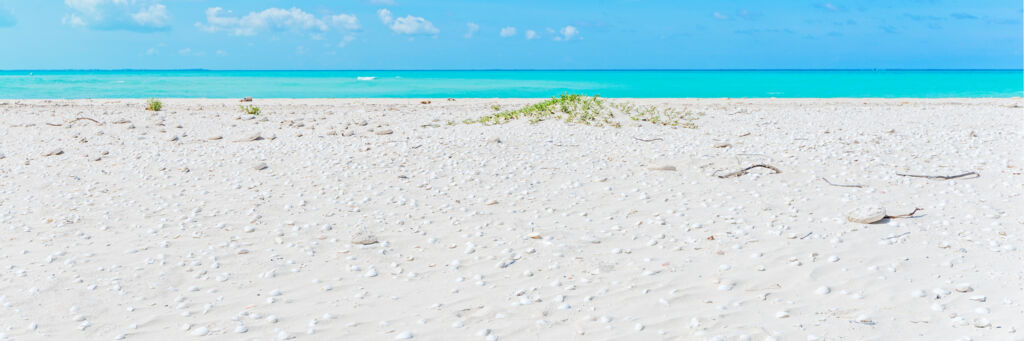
<point x="28" y="84"/>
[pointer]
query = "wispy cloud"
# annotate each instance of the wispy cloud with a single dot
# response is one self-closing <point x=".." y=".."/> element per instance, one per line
<point x="963" y="16"/>
<point x="828" y="6"/>
<point x="471" y="29"/>
<point x="507" y="32"/>
<point x="275" y="20"/>
<point x="133" y="15"/>
<point x="408" y="25"/>
<point x="568" y="33"/>
<point x="188" y="52"/>
<point x="720" y="16"/>
<point x="385" y="16"/>
<point x="531" y="34"/>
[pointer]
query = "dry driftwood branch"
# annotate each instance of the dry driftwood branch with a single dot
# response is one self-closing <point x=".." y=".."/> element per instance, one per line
<point x="85" y="118"/>
<point x="742" y="172"/>
<point x="73" y="121"/>
<point x="839" y="185"/>
<point x="908" y="215"/>
<point x="942" y="177"/>
<point x="895" y="237"/>
<point x="647" y="140"/>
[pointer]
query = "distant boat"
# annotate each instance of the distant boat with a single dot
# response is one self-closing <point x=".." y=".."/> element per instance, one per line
<point x="366" y="78"/>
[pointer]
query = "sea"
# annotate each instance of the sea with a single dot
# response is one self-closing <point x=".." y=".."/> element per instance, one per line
<point x="72" y="84"/>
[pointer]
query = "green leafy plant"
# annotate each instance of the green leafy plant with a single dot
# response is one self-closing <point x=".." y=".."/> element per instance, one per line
<point x="250" y="109"/>
<point x="154" y="104"/>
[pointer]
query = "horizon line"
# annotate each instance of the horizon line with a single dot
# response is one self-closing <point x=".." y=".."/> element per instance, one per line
<point x="428" y="70"/>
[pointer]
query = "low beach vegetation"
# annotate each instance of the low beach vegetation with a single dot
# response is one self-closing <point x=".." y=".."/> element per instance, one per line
<point x="154" y="104"/>
<point x="250" y="109"/>
<point x="591" y="111"/>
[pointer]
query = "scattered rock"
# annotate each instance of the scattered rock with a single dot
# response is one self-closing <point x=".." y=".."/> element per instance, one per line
<point x="362" y="237"/>
<point x="723" y="145"/>
<point x="53" y="152"/>
<point x="249" y="138"/>
<point x="215" y="137"/>
<point x="260" y="166"/>
<point x="494" y="140"/>
<point x="866" y="214"/>
<point x="384" y="132"/>
<point x="247" y="99"/>
<point x="172" y="138"/>
<point x="663" y="168"/>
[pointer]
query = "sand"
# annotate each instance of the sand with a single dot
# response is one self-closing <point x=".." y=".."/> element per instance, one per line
<point x="389" y="219"/>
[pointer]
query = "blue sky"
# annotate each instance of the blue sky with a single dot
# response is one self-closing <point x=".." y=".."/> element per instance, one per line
<point x="509" y="34"/>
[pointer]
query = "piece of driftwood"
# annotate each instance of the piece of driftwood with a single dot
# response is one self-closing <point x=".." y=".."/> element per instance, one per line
<point x="744" y="171"/>
<point x="942" y="177"/>
<point x="73" y="121"/>
<point x="647" y="140"/>
<point x="840" y="185"/>
<point x="908" y="215"/>
<point x="896" y="236"/>
<point x="85" y="118"/>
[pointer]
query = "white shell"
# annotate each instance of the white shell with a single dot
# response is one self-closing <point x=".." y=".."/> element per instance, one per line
<point x="866" y="214"/>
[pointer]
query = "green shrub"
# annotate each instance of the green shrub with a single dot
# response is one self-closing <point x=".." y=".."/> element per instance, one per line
<point x="250" y="109"/>
<point x="154" y="104"/>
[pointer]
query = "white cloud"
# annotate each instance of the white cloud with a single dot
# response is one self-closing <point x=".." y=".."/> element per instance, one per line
<point x="152" y="51"/>
<point x="508" y="32"/>
<point x="531" y="34"/>
<point x="347" y="39"/>
<point x="471" y="29"/>
<point x="274" y="20"/>
<point x="385" y="16"/>
<point x="346" y="21"/>
<point x="568" y="33"/>
<point x="221" y="53"/>
<point x="73" y="20"/>
<point x="720" y="16"/>
<point x="132" y="15"/>
<point x="406" y="25"/>
<point x="414" y="25"/>
<point x="154" y="16"/>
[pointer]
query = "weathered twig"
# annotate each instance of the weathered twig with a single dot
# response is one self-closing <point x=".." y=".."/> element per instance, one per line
<point x="647" y="140"/>
<point x="73" y="121"/>
<point x="942" y="177"/>
<point x="85" y="118"/>
<point x="807" y="235"/>
<point x="742" y="172"/>
<point x="896" y="236"/>
<point x="908" y="215"/>
<point x="838" y="185"/>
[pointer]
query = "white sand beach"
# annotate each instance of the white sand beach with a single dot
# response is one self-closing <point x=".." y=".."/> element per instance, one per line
<point x="380" y="219"/>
